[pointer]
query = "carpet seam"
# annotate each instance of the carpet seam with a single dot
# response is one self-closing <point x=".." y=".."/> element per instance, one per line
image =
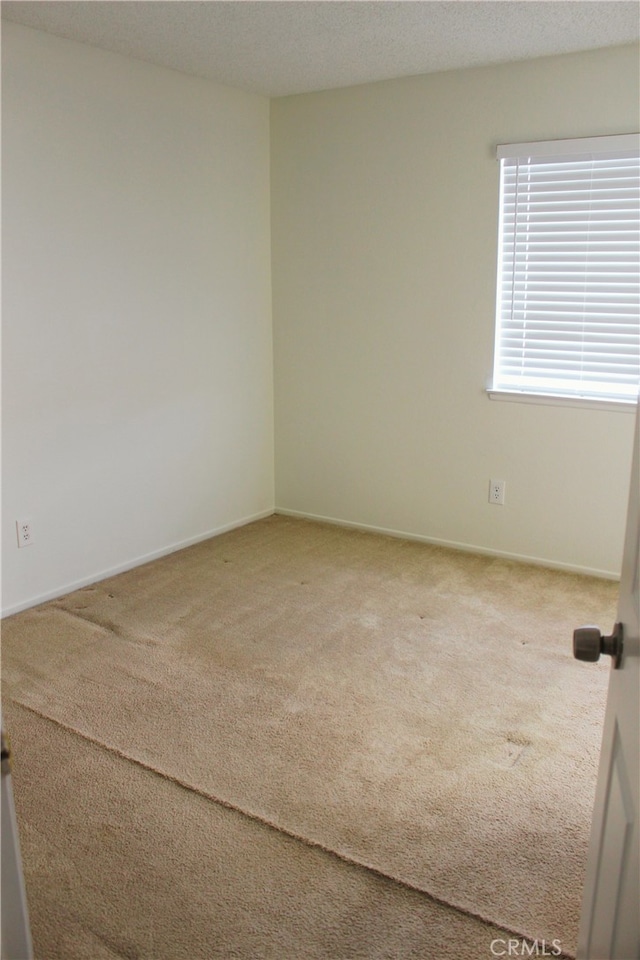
<point x="104" y="625"/>
<point x="307" y="841"/>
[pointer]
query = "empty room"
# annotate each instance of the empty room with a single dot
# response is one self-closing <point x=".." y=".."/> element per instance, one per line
<point x="320" y="368"/>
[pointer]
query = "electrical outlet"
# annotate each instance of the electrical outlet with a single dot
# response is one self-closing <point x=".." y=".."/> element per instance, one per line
<point x="25" y="533"/>
<point x="496" y="491"/>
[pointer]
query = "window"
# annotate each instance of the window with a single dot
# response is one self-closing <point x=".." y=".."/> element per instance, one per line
<point x="568" y="295"/>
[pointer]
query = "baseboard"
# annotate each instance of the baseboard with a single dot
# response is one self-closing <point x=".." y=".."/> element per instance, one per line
<point x="454" y="545"/>
<point x="370" y="528"/>
<point x="131" y="564"/>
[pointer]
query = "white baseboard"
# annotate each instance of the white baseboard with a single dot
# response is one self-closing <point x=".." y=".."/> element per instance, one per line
<point x="131" y="564"/>
<point x="369" y="528"/>
<point x="454" y="545"/>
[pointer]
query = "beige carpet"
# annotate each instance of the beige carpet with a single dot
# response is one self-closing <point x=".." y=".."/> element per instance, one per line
<point x="123" y="865"/>
<point x="412" y="709"/>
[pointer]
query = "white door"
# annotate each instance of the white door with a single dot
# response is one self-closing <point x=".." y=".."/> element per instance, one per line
<point x="610" y="922"/>
<point x="15" y="936"/>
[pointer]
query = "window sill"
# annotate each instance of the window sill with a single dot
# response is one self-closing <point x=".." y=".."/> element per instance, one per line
<point x="557" y="400"/>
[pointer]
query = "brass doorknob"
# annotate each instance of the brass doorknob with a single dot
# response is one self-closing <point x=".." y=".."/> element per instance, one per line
<point x="589" y="643"/>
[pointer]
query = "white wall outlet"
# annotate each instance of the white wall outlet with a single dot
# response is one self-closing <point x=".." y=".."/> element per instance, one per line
<point x="496" y="491"/>
<point x="25" y="532"/>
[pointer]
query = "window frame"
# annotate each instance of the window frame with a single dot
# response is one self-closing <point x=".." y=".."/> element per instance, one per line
<point x="623" y="145"/>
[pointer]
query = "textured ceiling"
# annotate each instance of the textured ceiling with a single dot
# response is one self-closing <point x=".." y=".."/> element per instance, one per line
<point x="277" y="48"/>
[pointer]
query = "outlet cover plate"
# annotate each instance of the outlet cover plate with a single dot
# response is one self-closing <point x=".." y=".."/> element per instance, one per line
<point x="496" y="492"/>
<point x="24" y="532"/>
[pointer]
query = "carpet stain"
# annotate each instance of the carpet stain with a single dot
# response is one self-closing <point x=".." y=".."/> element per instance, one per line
<point x="512" y="751"/>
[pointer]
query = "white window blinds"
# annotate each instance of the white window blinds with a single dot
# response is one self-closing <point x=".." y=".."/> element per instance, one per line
<point x="568" y="304"/>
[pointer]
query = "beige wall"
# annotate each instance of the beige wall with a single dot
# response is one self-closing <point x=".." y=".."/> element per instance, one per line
<point x="137" y="336"/>
<point x="137" y="360"/>
<point x="384" y="225"/>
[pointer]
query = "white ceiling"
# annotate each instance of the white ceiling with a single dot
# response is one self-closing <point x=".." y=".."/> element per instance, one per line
<point x="281" y="47"/>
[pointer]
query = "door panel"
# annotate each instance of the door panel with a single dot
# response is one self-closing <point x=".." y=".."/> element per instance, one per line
<point x="610" y="923"/>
